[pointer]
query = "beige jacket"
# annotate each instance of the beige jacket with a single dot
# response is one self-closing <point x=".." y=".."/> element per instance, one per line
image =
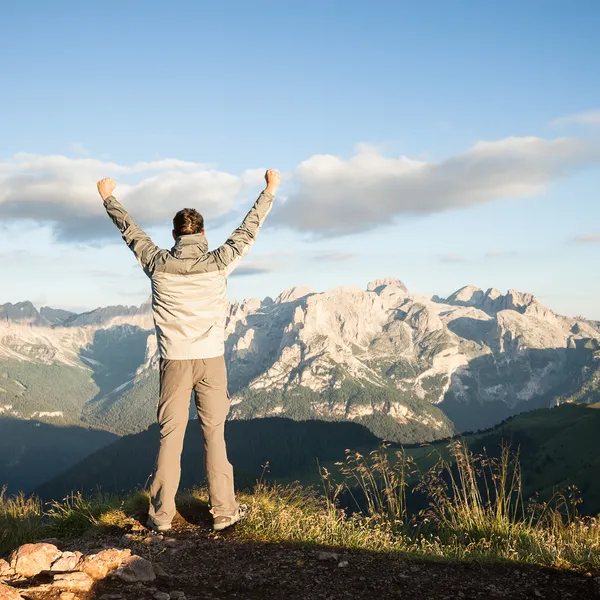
<point x="189" y="282"/>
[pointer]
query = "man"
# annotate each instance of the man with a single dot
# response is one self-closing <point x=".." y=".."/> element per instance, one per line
<point x="189" y="302"/>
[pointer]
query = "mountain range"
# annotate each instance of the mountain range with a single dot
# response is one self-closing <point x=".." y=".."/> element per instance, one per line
<point x="410" y="368"/>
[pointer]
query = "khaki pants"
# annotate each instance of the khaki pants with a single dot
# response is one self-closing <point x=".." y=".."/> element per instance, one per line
<point x="208" y="379"/>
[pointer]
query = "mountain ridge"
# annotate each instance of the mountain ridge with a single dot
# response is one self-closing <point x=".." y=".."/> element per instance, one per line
<point x="380" y="354"/>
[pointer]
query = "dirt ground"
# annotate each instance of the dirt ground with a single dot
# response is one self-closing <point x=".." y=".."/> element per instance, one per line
<point x="193" y="563"/>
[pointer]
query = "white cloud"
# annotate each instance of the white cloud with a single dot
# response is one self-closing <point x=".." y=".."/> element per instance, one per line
<point x="587" y="238"/>
<point x="451" y="258"/>
<point x="61" y="191"/>
<point x="333" y="256"/>
<point x="249" y="269"/>
<point x="590" y="117"/>
<point x="334" y="196"/>
<point x="327" y="195"/>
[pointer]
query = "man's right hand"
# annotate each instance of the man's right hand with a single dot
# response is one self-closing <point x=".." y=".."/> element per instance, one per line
<point x="106" y="187"/>
<point x="273" y="179"/>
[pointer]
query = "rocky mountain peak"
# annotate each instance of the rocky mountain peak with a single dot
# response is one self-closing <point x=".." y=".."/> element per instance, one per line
<point x="106" y="315"/>
<point x="23" y="313"/>
<point x="56" y="316"/>
<point x="493" y="301"/>
<point x="378" y="284"/>
<point x="293" y="294"/>
<point x="469" y="295"/>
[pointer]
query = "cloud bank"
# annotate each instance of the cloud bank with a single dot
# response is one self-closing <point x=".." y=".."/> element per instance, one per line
<point x="328" y="195"/>
<point x="61" y="192"/>
<point x="336" y="196"/>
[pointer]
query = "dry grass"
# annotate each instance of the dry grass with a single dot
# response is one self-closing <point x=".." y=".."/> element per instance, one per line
<point x="474" y="511"/>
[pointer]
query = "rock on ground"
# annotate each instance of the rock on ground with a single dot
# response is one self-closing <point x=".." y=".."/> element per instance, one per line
<point x="9" y="593"/>
<point x="67" y="562"/>
<point x="81" y="582"/>
<point x="136" y="568"/>
<point x="31" y="559"/>
<point x="99" y="565"/>
<point x="5" y="569"/>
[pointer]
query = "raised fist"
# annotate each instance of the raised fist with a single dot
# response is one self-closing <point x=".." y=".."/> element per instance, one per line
<point x="273" y="179"/>
<point x="106" y="187"/>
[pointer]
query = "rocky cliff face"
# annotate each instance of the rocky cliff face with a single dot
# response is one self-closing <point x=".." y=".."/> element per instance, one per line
<point x="473" y="350"/>
<point x="348" y="353"/>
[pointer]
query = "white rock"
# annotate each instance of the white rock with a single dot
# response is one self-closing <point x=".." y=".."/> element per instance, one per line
<point x="30" y="559"/>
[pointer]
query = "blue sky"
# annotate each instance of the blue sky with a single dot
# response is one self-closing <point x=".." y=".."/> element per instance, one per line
<point x="495" y="107"/>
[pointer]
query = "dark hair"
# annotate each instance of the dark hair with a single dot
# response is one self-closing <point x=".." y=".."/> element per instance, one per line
<point x="187" y="222"/>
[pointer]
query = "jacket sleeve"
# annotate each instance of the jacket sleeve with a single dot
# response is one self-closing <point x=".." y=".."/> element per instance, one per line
<point x="241" y="240"/>
<point x="138" y="241"/>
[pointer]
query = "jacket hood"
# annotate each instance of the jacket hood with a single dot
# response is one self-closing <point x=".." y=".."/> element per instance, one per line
<point x="190" y="246"/>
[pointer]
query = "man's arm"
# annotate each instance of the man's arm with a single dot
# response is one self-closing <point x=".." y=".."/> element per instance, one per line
<point x="242" y="239"/>
<point x="138" y="241"/>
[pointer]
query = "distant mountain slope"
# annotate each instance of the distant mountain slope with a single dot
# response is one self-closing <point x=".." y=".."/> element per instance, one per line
<point x="32" y="452"/>
<point x="557" y="448"/>
<point x="290" y="448"/>
<point x="52" y="392"/>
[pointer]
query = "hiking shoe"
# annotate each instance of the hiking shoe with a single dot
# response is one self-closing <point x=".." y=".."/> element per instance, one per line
<point x="225" y="521"/>
<point x="150" y="524"/>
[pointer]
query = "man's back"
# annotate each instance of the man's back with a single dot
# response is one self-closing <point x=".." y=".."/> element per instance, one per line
<point x="189" y="300"/>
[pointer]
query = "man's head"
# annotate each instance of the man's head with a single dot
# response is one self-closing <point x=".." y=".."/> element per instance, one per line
<point x="187" y="222"/>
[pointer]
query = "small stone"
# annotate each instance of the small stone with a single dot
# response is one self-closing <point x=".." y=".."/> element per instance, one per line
<point x="111" y="597"/>
<point x="67" y="596"/>
<point x="162" y="596"/>
<point x="461" y="594"/>
<point x="81" y="582"/>
<point x="177" y="595"/>
<point x="31" y="559"/>
<point x="328" y="556"/>
<point x="343" y="563"/>
<point x="9" y="593"/>
<point x="169" y="541"/>
<point x="67" y="562"/>
<point x="136" y="568"/>
<point x="159" y="571"/>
